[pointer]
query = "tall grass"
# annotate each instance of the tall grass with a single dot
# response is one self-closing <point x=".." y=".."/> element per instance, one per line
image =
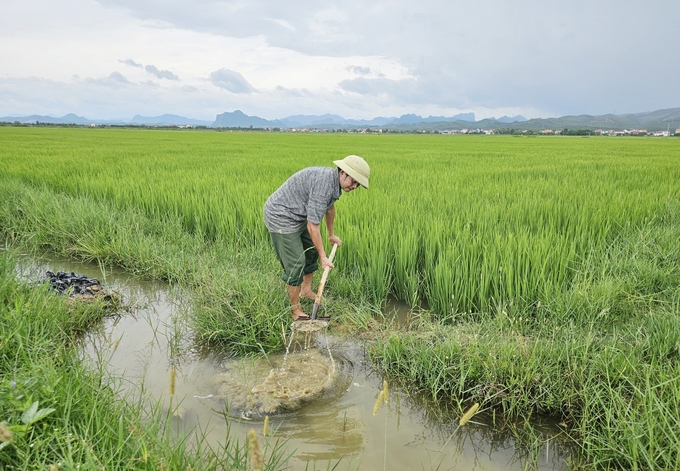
<point x="462" y="223"/>
<point x="238" y="300"/>
<point x="603" y="356"/>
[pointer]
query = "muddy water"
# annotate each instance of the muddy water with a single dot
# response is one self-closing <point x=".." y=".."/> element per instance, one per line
<point x="335" y="423"/>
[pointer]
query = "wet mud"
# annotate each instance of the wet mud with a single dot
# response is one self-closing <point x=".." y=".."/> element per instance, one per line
<point x="302" y="378"/>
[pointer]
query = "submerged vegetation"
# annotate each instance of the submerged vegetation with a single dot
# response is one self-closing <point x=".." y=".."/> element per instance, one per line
<point x="544" y="273"/>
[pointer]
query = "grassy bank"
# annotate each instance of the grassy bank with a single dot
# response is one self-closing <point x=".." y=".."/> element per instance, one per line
<point x="239" y="301"/>
<point x="604" y="356"/>
<point x="58" y="414"/>
<point x="550" y="266"/>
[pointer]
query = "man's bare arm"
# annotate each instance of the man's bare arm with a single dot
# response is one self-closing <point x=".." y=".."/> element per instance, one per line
<point x="315" y="234"/>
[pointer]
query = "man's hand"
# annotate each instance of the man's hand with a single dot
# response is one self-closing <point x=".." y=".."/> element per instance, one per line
<point x="335" y="240"/>
<point x="326" y="263"/>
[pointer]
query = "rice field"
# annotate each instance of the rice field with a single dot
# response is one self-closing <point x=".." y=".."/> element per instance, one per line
<point x="461" y="223"/>
<point x="543" y="272"/>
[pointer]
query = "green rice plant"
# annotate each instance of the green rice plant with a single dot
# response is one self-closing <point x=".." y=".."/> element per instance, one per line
<point x="533" y="208"/>
<point x="601" y="358"/>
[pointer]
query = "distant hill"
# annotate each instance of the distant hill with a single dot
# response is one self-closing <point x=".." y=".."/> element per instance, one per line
<point x="515" y="119"/>
<point x="650" y="121"/>
<point x="168" y="119"/>
<point x="659" y="120"/>
<point x="239" y="119"/>
<point x="163" y="120"/>
<point x="66" y="119"/>
<point x="299" y="120"/>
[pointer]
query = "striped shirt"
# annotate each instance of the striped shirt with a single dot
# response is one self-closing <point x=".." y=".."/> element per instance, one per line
<point x="305" y="196"/>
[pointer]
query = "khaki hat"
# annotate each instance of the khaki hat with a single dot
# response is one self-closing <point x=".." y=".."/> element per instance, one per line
<point x="355" y="167"/>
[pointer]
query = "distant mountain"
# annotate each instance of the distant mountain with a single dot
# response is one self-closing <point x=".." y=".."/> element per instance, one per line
<point x="515" y="119"/>
<point x="239" y="119"/>
<point x="333" y="119"/>
<point x="163" y="120"/>
<point x="379" y="121"/>
<point x="651" y="121"/>
<point x="415" y="119"/>
<point x="306" y="120"/>
<point x="66" y="119"/>
<point x="659" y="120"/>
<point x="167" y="119"/>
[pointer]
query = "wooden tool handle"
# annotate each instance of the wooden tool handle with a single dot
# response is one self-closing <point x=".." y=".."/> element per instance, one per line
<point x="322" y="283"/>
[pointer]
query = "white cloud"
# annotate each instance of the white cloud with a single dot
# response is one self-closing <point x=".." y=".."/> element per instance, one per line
<point x="161" y="74"/>
<point x="357" y="69"/>
<point x="283" y="23"/>
<point x="114" y="80"/>
<point x="355" y="58"/>
<point x="293" y="92"/>
<point x="131" y="63"/>
<point x="231" y="80"/>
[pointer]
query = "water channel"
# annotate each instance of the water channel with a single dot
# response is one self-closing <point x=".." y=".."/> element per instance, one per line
<point x="142" y="346"/>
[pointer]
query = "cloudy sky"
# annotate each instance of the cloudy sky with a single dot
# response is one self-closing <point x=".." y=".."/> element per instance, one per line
<point x="356" y="58"/>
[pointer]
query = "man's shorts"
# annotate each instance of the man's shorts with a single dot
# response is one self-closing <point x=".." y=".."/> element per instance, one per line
<point x="297" y="255"/>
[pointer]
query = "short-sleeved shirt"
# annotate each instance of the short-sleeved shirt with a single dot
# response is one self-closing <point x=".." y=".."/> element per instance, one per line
<point x="305" y="196"/>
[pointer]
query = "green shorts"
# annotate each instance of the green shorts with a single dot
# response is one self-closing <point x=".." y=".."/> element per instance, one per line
<point x="297" y="255"/>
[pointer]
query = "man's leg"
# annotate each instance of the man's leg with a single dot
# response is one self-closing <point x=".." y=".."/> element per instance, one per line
<point x="311" y="265"/>
<point x="306" y="288"/>
<point x="290" y="252"/>
<point x="295" y="308"/>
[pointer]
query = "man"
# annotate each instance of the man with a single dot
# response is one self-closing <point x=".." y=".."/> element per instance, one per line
<point x="293" y="214"/>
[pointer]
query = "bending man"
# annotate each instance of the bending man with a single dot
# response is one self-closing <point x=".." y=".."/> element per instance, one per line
<point x="293" y="214"/>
